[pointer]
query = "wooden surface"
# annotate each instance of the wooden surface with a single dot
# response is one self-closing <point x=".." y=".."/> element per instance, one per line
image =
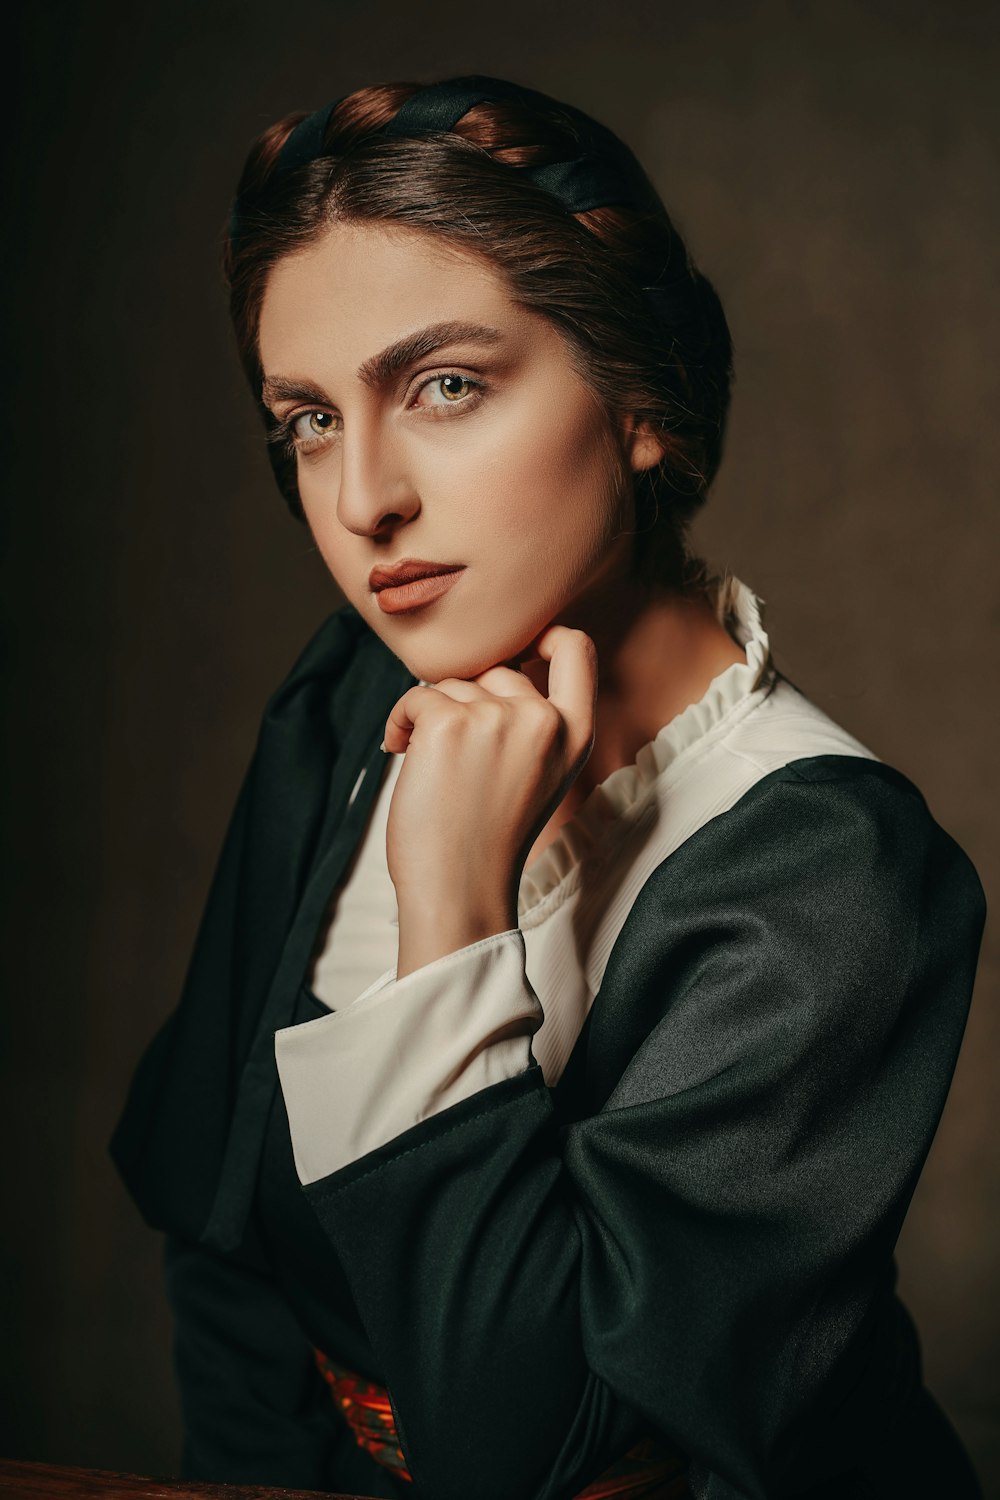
<point x="50" y="1482"/>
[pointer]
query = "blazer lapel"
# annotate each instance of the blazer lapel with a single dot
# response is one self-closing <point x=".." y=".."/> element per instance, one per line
<point x="298" y="852"/>
<point x="188" y="1140"/>
<point x="287" y="791"/>
<point x="170" y="1139"/>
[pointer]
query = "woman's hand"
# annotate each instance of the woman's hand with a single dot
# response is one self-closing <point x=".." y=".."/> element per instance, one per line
<point x="487" y="763"/>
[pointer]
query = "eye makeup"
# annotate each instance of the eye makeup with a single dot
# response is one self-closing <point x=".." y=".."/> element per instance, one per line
<point x="287" y="432"/>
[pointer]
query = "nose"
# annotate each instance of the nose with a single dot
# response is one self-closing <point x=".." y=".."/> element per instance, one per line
<point x="376" y="490"/>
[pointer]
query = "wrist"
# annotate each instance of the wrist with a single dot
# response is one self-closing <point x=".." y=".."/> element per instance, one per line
<point x="430" y="930"/>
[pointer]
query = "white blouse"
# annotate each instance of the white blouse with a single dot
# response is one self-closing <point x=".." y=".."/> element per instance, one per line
<point x="393" y="1052"/>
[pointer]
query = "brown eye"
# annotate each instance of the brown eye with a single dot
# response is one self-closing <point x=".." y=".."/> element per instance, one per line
<point x="310" y="425"/>
<point x="457" y="390"/>
<point x="449" y="383"/>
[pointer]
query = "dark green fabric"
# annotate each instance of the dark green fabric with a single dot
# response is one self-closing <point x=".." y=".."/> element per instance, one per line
<point x="772" y="1044"/>
<point x="255" y="1409"/>
<point x="189" y="1139"/>
<point x="693" y="1230"/>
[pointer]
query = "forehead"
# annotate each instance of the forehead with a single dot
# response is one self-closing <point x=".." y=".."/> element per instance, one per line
<point x="360" y="286"/>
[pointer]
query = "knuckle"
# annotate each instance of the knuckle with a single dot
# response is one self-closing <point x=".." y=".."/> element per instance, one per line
<point x="493" y="712"/>
<point x="546" y="723"/>
<point x="587" y="645"/>
<point x="447" y="728"/>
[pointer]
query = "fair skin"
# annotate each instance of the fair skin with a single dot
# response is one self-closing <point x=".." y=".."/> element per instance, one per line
<point x="491" y="453"/>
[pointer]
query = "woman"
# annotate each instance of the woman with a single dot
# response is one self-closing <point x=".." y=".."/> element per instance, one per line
<point x="575" y="1002"/>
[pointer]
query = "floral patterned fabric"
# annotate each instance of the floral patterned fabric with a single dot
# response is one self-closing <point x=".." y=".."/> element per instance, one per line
<point x="648" y="1471"/>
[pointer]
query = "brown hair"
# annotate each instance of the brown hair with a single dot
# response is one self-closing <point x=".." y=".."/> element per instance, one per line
<point x="670" y="365"/>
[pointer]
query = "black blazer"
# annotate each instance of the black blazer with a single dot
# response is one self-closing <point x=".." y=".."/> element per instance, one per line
<point x="693" y="1232"/>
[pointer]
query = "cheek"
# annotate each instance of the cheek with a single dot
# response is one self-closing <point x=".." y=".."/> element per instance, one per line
<point x="573" y="479"/>
<point x="562" y="481"/>
<point x="333" y="543"/>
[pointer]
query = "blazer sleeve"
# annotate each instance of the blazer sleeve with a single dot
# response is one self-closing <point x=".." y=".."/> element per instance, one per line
<point x="776" y="1029"/>
<point x="253" y="1404"/>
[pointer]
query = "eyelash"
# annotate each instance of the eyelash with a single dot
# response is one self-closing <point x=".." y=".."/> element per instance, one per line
<point x="283" y="434"/>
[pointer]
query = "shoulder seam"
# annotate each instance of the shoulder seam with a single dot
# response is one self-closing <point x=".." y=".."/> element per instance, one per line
<point x="843" y="767"/>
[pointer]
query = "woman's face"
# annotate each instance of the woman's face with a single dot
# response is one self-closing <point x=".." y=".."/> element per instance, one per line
<point x="477" y="448"/>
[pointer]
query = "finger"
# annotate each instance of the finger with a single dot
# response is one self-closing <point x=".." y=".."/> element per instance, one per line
<point x="403" y="717"/>
<point x="462" y="689"/>
<point x="572" y="659"/>
<point x="523" y="657"/>
<point x="506" y="682"/>
<point x="421" y="700"/>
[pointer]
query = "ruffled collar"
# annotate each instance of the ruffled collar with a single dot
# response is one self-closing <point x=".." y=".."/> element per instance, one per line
<point x="618" y="798"/>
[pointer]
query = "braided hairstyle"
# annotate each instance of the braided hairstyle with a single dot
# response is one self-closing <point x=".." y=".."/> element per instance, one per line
<point x="561" y="209"/>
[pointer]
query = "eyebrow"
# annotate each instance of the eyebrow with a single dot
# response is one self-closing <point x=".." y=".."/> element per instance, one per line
<point x="380" y="368"/>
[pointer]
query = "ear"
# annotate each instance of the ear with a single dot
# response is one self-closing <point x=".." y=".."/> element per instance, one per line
<point x="643" y="448"/>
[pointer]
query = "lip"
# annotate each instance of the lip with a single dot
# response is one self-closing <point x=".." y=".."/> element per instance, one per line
<point x="405" y="571"/>
<point x="415" y="594"/>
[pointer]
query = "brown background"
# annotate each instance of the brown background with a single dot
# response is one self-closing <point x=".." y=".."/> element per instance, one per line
<point x="835" y="168"/>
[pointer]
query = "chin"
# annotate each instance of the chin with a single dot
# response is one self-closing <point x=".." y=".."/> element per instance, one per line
<point x="432" y="662"/>
<point x="435" y="666"/>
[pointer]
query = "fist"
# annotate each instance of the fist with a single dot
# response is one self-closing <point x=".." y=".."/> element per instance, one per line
<point x="487" y="762"/>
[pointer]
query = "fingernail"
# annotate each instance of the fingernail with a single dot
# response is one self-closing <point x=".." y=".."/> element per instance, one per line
<point x="382" y="746"/>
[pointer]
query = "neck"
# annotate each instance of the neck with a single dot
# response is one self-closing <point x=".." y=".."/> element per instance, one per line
<point x="657" y="650"/>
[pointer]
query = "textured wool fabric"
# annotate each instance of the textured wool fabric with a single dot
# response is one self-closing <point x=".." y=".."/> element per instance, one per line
<point x="691" y="1232"/>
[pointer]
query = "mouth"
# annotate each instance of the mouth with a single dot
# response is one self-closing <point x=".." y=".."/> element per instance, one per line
<point x="397" y="594"/>
<point x="405" y="571"/>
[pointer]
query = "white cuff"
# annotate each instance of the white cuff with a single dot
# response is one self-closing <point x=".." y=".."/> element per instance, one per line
<point x="404" y="1050"/>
